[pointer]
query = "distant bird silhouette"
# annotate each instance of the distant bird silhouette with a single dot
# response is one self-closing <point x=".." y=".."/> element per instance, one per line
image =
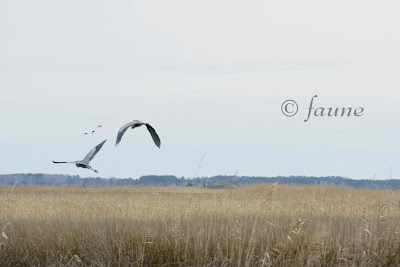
<point x="93" y="132"/>
<point x="99" y="126"/>
<point x="85" y="162"/>
<point x="85" y="133"/>
<point x="135" y="124"/>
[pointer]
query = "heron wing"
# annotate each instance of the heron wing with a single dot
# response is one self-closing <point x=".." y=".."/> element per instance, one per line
<point x="63" y="162"/>
<point x="94" y="151"/>
<point x="154" y="135"/>
<point x="123" y="129"/>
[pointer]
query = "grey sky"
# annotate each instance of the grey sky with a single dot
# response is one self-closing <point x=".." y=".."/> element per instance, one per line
<point x="210" y="76"/>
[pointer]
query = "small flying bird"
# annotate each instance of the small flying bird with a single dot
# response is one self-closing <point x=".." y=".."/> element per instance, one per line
<point x="99" y="126"/>
<point x="93" y="132"/>
<point x="85" y="162"/>
<point x="135" y="124"/>
<point x="85" y="134"/>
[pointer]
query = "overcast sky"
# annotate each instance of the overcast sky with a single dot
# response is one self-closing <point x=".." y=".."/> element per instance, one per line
<point x="210" y="76"/>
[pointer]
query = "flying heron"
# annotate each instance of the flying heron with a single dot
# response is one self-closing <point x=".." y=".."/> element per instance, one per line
<point x="85" y="162"/>
<point x="135" y="124"/>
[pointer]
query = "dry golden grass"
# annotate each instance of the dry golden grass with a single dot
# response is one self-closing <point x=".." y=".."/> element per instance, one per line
<point x="260" y="225"/>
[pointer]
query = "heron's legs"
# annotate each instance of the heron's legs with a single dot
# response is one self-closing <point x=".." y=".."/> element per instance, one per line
<point x="90" y="168"/>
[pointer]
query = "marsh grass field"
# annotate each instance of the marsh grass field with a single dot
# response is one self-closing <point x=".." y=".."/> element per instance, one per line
<point x="258" y="225"/>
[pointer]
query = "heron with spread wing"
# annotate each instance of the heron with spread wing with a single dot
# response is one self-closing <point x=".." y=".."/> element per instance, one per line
<point x="85" y="162"/>
<point x="135" y="124"/>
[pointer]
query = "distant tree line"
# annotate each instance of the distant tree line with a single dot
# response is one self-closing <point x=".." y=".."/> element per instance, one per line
<point x="170" y="180"/>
